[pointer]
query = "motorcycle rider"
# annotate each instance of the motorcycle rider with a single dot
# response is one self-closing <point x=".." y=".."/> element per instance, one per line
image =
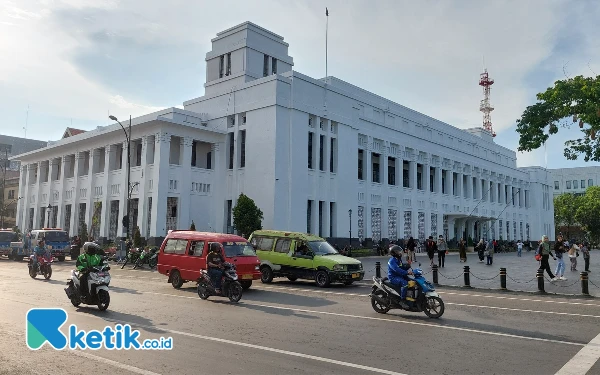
<point x="214" y="261"/>
<point x="398" y="273"/>
<point x="39" y="251"/>
<point x="88" y="259"/>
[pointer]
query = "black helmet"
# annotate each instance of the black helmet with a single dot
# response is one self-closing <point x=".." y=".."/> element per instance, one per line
<point x="396" y="251"/>
<point x="92" y="248"/>
<point x="215" y="247"/>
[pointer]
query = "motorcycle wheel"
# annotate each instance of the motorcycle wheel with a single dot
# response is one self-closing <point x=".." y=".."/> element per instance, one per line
<point x="433" y="307"/>
<point x="125" y="262"/>
<point x="378" y="306"/>
<point x="235" y="292"/>
<point x="32" y="273"/>
<point x="153" y="262"/>
<point x="203" y="291"/>
<point x="103" y="300"/>
<point x="75" y="302"/>
<point x="136" y="264"/>
<point x="48" y="273"/>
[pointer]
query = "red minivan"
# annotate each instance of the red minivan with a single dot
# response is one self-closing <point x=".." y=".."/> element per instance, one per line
<point x="183" y="254"/>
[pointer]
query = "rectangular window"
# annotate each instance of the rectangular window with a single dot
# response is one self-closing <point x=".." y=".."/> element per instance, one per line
<point x="265" y="244"/>
<point x="360" y="165"/>
<point x="405" y="174"/>
<point x="242" y="148"/>
<point x="582" y="184"/>
<point x="375" y="163"/>
<point x="332" y="155"/>
<point x="193" y="161"/>
<point x="557" y="185"/>
<point x="310" y="150"/>
<point x="444" y="183"/>
<point x="568" y="185"/>
<point x="274" y="65"/>
<point x="419" y="176"/>
<point x="209" y="160"/>
<point x="229" y="213"/>
<point x="331" y="218"/>
<point x="231" y="150"/>
<point x="308" y="216"/>
<point x="321" y="152"/>
<point x="575" y="184"/>
<point x="228" y="72"/>
<point x="266" y="66"/>
<point x="283" y="246"/>
<point x="170" y="246"/>
<point x="526" y="198"/>
<point x="138" y="154"/>
<point x="431" y="179"/>
<point x="391" y="171"/>
<point x="590" y="182"/>
<point x="11" y="194"/>
<point x="321" y="218"/>
<point x="196" y="248"/>
<point x="221" y="65"/>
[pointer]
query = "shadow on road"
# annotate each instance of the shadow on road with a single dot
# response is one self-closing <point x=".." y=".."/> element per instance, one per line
<point x="124" y="290"/>
<point x="271" y="310"/>
<point x="120" y="317"/>
<point x="51" y="281"/>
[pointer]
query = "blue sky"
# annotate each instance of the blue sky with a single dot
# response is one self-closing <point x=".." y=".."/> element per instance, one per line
<point x="73" y="62"/>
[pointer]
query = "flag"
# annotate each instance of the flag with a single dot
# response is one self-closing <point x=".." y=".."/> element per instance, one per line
<point x="326" y="12"/>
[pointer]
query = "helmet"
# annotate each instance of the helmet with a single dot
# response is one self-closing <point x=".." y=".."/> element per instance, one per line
<point x="215" y="246"/>
<point x="91" y="248"/>
<point x="396" y="251"/>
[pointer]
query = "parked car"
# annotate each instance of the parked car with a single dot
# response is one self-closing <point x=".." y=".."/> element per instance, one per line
<point x="303" y="256"/>
<point x="183" y="254"/>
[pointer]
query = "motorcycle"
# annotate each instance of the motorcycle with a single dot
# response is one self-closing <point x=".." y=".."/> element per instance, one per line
<point x="132" y="256"/>
<point x="230" y="286"/>
<point x="44" y="266"/>
<point x="420" y="297"/>
<point x="98" y="281"/>
<point x="147" y="256"/>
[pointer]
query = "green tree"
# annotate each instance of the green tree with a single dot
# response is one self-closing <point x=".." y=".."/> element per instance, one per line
<point x="193" y="226"/>
<point x="571" y="101"/>
<point x="565" y="209"/>
<point x="588" y="212"/>
<point x="83" y="233"/>
<point x="137" y="237"/>
<point x="247" y="217"/>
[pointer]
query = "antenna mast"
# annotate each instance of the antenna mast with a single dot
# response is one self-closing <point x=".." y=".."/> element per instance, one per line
<point x="485" y="106"/>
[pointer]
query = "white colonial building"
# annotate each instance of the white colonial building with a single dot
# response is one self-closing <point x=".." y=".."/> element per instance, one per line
<point x="574" y="180"/>
<point x="306" y="150"/>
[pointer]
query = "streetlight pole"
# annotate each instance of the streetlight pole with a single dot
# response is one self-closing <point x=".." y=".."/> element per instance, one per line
<point x="350" y="215"/>
<point x="128" y="139"/>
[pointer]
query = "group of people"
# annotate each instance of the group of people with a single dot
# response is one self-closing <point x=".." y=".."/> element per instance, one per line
<point x="561" y="248"/>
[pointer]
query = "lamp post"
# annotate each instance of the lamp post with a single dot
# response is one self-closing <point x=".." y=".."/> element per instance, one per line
<point x="350" y="215"/>
<point x="128" y="139"/>
<point x="49" y="208"/>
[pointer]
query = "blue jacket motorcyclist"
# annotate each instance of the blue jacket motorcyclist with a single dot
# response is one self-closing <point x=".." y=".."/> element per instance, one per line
<point x="397" y="271"/>
<point x="39" y="250"/>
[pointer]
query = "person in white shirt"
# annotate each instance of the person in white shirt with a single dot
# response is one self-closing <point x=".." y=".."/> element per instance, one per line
<point x="519" y="247"/>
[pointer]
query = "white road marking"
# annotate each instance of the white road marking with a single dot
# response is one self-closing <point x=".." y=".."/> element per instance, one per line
<point x="523" y="310"/>
<point x="569" y="302"/>
<point x="583" y="361"/>
<point x="389" y="320"/>
<point x="107" y="361"/>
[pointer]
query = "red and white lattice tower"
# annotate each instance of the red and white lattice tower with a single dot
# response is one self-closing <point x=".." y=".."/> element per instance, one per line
<point x="485" y="106"/>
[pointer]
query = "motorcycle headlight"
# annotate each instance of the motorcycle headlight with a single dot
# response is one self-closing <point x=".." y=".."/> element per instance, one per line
<point x="360" y="266"/>
<point x="339" y="267"/>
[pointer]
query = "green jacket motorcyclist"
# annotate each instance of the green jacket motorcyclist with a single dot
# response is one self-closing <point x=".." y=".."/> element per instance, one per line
<point x="88" y="259"/>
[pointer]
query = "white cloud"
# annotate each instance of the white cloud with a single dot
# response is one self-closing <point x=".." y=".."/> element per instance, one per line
<point x="122" y="103"/>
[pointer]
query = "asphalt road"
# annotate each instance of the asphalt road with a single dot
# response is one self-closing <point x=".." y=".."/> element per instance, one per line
<point x="298" y="328"/>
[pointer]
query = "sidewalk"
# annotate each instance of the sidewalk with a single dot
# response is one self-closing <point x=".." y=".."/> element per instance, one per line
<point x="521" y="272"/>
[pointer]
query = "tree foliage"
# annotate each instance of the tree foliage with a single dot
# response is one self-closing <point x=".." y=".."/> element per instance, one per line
<point x="193" y="226"/>
<point x="571" y="102"/>
<point x="247" y="217"/>
<point x="83" y="232"/>
<point x="137" y="237"/>
<point x="588" y="212"/>
<point x="565" y="209"/>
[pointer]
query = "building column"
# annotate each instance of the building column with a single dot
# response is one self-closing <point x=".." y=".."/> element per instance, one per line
<point x="74" y="222"/>
<point x="412" y="173"/>
<point x="449" y="179"/>
<point x="23" y="202"/>
<point x="142" y="196"/>
<point x="218" y="195"/>
<point x="105" y="214"/>
<point x="61" y="194"/>
<point x="89" y="202"/>
<point x="123" y="195"/>
<point x="383" y="168"/>
<point x="183" y="220"/>
<point x="368" y="160"/>
<point x="326" y="219"/>
<point x="426" y="178"/>
<point x="459" y="184"/>
<point x="161" y="185"/>
<point x="438" y="179"/>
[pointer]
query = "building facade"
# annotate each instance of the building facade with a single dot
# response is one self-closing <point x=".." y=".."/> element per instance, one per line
<point x="574" y="180"/>
<point x="316" y="155"/>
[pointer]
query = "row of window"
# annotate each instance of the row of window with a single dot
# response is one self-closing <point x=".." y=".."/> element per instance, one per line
<point x="242" y="149"/>
<point x="575" y="184"/>
<point x="320" y="223"/>
<point x="266" y="61"/>
<point x="223" y="69"/>
<point x="322" y="152"/>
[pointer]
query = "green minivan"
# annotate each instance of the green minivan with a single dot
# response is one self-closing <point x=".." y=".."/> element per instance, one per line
<point x="303" y="256"/>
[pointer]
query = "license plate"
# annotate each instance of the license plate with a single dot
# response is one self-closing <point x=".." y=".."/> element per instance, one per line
<point x="101" y="274"/>
<point x="355" y="275"/>
<point x="246" y="276"/>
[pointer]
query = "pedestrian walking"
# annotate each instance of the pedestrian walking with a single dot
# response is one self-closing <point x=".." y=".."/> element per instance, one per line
<point x="489" y="252"/>
<point x="480" y="248"/>
<point x="559" y="251"/>
<point x="431" y="248"/>
<point x="586" y="256"/>
<point x="442" y="247"/>
<point x="519" y="248"/>
<point x="545" y="252"/>
<point x="462" y="250"/>
<point x="573" y="254"/>
<point x="410" y="246"/>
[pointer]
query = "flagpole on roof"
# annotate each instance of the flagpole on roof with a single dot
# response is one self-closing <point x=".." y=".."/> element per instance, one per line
<point x="326" y="32"/>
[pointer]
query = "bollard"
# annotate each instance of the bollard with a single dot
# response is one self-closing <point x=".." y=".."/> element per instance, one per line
<point x="378" y="270"/>
<point x="435" y="274"/>
<point x="540" y="278"/>
<point x="584" y="284"/>
<point x="503" y="278"/>
<point x="467" y="274"/>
